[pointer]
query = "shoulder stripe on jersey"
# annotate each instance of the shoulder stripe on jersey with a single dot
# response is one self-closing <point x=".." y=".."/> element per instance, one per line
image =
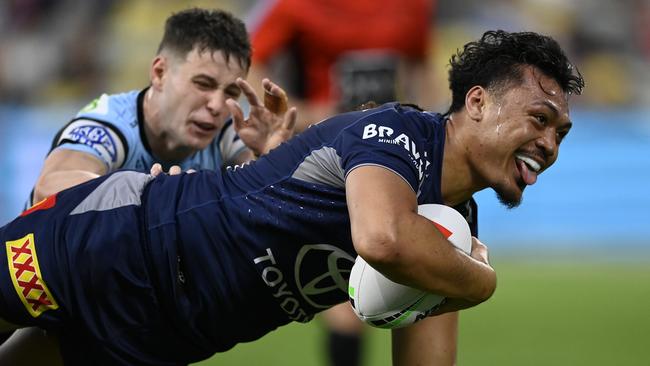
<point x="322" y="166"/>
<point x="121" y="189"/>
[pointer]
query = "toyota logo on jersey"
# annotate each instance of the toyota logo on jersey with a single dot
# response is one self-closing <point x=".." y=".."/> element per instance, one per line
<point x="322" y="272"/>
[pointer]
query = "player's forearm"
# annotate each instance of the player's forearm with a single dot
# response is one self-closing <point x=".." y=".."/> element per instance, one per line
<point x="65" y="168"/>
<point x="51" y="183"/>
<point x="412" y="252"/>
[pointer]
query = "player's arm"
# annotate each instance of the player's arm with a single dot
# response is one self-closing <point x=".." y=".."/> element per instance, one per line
<point x="406" y="247"/>
<point x="65" y="168"/>
<point x="389" y="234"/>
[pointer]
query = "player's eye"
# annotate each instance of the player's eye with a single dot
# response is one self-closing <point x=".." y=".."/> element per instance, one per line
<point x="541" y="119"/>
<point x="202" y="84"/>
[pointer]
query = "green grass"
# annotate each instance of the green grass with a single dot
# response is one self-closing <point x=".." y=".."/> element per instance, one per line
<point x="543" y="313"/>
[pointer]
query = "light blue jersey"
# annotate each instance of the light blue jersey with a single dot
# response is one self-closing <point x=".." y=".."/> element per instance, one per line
<point x="110" y="128"/>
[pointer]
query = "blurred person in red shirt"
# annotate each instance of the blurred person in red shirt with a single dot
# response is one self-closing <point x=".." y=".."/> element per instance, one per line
<point x="333" y="56"/>
<point x="344" y="53"/>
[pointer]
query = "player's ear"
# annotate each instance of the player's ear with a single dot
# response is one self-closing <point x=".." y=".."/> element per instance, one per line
<point x="475" y="100"/>
<point x="159" y="67"/>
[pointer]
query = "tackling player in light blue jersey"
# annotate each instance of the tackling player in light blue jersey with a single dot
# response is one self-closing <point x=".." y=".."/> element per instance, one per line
<point x="111" y="129"/>
<point x="132" y="269"/>
<point x="182" y="118"/>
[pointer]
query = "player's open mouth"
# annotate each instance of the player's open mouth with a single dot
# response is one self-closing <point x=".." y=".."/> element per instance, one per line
<point x="528" y="168"/>
<point x="204" y="127"/>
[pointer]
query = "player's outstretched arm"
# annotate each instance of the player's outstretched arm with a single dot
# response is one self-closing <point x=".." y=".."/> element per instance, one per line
<point x="65" y="168"/>
<point x="406" y="247"/>
<point x="270" y="122"/>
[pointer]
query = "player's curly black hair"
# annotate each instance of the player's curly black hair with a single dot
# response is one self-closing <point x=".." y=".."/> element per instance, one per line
<point x="211" y="30"/>
<point x="497" y="59"/>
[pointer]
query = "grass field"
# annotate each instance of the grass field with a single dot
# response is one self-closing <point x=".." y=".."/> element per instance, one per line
<point x="566" y="312"/>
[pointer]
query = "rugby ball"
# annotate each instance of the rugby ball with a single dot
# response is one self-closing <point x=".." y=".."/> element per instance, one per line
<point x="383" y="303"/>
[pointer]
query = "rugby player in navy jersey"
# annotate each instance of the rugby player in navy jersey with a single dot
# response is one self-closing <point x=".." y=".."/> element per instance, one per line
<point x="132" y="269"/>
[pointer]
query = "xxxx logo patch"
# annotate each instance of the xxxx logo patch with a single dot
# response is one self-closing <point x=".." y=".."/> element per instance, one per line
<point x="26" y="276"/>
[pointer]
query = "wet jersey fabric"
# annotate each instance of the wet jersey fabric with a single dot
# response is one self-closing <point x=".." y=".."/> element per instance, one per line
<point x="111" y="129"/>
<point x="167" y="271"/>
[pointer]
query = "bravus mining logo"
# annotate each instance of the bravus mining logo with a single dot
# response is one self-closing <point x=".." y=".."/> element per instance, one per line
<point x="386" y="134"/>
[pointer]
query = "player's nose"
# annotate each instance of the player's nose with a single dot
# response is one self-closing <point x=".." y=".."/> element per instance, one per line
<point x="548" y="144"/>
<point x="216" y="102"/>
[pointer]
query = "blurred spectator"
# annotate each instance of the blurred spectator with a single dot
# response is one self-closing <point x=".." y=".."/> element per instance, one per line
<point x="343" y="53"/>
<point x="54" y="51"/>
<point x="50" y="49"/>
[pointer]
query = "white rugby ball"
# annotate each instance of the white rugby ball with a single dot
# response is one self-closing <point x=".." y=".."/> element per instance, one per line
<point x="383" y="303"/>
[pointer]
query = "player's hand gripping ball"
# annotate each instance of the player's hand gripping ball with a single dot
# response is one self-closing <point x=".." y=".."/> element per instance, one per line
<point x="383" y="303"/>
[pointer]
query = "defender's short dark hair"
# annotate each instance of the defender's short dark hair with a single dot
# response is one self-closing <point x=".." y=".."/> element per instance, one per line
<point x="207" y="30"/>
<point x="498" y="58"/>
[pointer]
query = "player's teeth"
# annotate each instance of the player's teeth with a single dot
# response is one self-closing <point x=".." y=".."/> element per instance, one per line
<point x="532" y="164"/>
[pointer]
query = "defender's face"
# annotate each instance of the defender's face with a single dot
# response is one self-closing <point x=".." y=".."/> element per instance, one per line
<point x="194" y="94"/>
<point x="521" y="133"/>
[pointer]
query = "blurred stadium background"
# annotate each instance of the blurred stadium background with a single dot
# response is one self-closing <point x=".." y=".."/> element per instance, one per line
<point x="574" y="260"/>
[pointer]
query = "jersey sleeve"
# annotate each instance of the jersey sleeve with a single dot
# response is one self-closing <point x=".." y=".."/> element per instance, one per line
<point x="230" y="145"/>
<point x="99" y="139"/>
<point x="384" y="139"/>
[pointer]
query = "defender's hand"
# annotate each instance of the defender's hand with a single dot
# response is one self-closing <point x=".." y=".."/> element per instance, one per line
<point x="268" y="124"/>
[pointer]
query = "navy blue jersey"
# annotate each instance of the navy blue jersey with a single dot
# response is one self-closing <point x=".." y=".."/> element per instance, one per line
<point x="271" y="239"/>
<point x="170" y="270"/>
